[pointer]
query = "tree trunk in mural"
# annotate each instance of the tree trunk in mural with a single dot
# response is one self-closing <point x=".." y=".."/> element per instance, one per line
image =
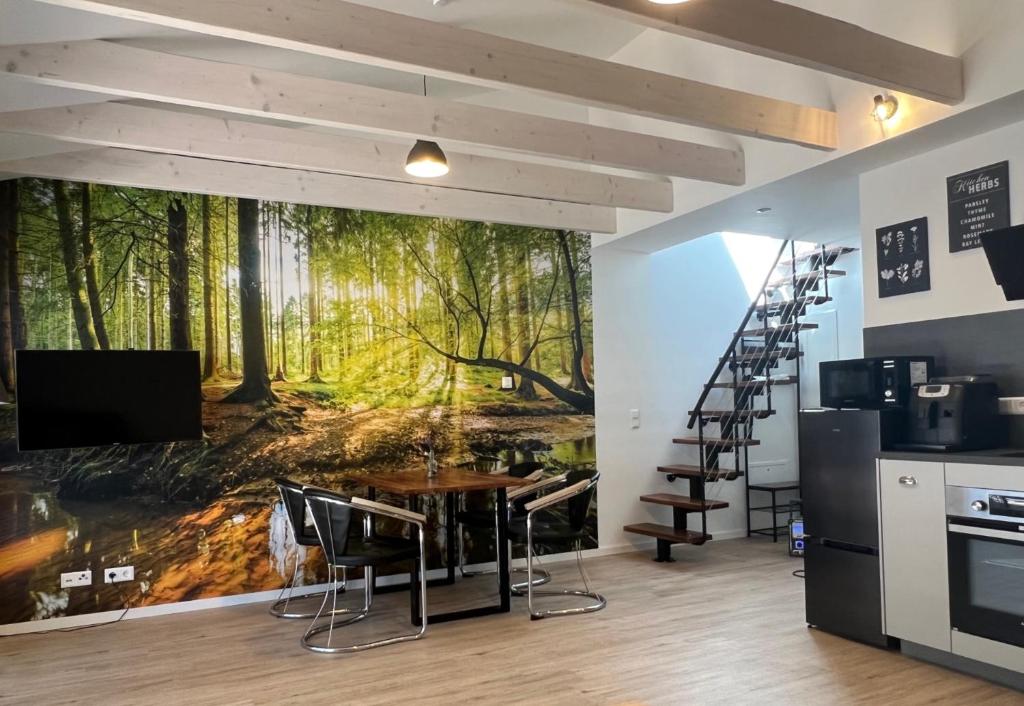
<point x="255" y="385"/>
<point x="19" y="328"/>
<point x="177" y="275"/>
<point x="151" y="341"/>
<point x="227" y="283"/>
<point x="8" y="227"/>
<point x="282" y="360"/>
<point x="89" y="265"/>
<point x="579" y="380"/>
<point x="298" y="307"/>
<point x="453" y="304"/>
<point x="314" y="313"/>
<point x="209" y="330"/>
<point x="526" y="390"/>
<point x="504" y="303"/>
<point x="69" y="251"/>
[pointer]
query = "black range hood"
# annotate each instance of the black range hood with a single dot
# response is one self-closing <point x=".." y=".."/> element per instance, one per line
<point x="1005" y="251"/>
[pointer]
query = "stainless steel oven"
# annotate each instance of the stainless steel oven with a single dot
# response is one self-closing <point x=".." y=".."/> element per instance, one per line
<point x="986" y="562"/>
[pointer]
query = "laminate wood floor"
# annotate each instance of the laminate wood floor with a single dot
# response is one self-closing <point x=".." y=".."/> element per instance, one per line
<point x="724" y="624"/>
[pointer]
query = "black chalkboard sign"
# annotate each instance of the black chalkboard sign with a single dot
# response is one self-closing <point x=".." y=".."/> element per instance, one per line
<point x="903" y="266"/>
<point x="979" y="201"/>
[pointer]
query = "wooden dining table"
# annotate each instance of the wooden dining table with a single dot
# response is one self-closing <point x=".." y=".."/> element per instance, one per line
<point x="450" y="482"/>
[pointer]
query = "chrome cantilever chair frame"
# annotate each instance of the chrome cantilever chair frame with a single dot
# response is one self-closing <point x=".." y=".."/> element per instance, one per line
<point x="514" y="495"/>
<point x="532" y="508"/>
<point x="368" y="507"/>
<point x="281" y="608"/>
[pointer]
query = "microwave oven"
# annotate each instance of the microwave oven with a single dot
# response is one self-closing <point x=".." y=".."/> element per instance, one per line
<point x="872" y="383"/>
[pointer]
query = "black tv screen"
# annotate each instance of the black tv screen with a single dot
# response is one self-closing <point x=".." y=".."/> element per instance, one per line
<point x="69" y="399"/>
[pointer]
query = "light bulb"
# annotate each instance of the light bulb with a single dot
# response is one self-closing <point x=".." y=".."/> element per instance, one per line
<point x="426" y="160"/>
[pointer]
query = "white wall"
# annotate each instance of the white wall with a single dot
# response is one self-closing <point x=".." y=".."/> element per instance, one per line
<point x="660" y="323"/>
<point x="961" y="283"/>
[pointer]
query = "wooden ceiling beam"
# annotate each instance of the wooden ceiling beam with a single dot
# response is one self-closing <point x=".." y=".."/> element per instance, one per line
<point x="128" y="72"/>
<point x="190" y="135"/>
<point x="147" y="170"/>
<point x="792" y="34"/>
<point x="354" y="32"/>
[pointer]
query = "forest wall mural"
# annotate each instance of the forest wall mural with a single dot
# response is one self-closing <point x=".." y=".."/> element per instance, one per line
<point x="332" y="342"/>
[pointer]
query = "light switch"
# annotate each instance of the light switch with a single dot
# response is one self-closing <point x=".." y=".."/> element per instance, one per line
<point x="634" y="419"/>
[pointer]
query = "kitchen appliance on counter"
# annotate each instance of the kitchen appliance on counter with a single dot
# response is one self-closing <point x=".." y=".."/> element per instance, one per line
<point x="955" y="414"/>
<point x="839" y="488"/>
<point x="872" y="383"/>
<point x="986" y="563"/>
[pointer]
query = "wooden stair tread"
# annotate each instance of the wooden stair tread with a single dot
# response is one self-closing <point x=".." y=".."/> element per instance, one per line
<point x="684" y="470"/>
<point x="788" y="380"/>
<point x="835" y="251"/>
<point x="784" y="328"/>
<point x="683" y="501"/>
<point x="667" y="533"/>
<point x="805" y="300"/>
<point x="715" y="441"/>
<point x="778" y="353"/>
<point x="802" y="278"/>
<point x="713" y="414"/>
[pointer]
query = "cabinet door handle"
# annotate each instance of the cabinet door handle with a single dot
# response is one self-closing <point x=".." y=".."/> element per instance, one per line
<point x="908" y="481"/>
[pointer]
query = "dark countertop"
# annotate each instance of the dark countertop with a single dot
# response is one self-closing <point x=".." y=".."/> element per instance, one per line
<point x="991" y="457"/>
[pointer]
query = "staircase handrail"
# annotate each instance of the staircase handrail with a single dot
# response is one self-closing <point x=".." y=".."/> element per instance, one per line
<point x="698" y="408"/>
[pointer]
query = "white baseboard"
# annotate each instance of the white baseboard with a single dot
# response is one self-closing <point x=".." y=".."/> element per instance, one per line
<point x="151" y="611"/>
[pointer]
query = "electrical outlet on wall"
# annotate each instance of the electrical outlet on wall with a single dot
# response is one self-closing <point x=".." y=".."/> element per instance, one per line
<point x="118" y="574"/>
<point x="73" y="579"/>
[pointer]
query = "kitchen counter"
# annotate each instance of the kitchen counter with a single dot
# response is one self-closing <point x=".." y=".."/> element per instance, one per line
<point x="990" y="457"/>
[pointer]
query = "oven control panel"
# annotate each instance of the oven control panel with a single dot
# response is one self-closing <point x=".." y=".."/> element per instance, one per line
<point x="985" y="503"/>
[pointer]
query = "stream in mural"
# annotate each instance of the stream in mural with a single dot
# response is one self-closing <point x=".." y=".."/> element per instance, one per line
<point x="376" y="334"/>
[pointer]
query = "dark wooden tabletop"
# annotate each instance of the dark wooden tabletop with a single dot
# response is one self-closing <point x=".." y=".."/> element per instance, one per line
<point x="448" y="480"/>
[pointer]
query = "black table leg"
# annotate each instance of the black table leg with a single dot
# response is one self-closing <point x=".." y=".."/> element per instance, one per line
<point x="450" y="539"/>
<point x="371" y="495"/>
<point x="775" y="519"/>
<point x="504" y="579"/>
<point x="414" y="574"/>
<point x="503" y="561"/>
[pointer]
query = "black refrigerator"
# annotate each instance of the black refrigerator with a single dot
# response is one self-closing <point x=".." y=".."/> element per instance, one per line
<point x="839" y="489"/>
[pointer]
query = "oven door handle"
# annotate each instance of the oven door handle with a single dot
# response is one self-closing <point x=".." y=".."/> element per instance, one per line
<point x="987" y="532"/>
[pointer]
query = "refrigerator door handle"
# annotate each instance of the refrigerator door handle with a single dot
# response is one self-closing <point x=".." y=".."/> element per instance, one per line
<point x="908" y="481"/>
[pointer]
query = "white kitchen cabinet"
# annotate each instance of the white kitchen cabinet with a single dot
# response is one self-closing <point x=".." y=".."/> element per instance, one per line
<point x="912" y="498"/>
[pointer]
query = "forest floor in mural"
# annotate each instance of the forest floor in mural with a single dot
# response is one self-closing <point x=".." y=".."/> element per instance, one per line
<point x="187" y="550"/>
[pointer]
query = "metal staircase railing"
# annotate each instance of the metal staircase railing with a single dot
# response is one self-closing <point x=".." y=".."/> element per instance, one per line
<point x="751" y="357"/>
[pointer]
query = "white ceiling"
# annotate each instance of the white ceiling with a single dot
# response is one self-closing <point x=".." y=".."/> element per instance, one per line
<point x="959" y="27"/>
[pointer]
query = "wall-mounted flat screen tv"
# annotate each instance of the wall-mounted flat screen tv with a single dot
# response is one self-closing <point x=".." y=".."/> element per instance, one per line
<point x="68" y="399"/>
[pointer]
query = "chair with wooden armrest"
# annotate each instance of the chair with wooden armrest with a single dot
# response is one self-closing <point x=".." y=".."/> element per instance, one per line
<point x="542" y="525"/>
<point x="485" y="519"/>
<point x="332" y="516"/>
<point x="301" y="526"/>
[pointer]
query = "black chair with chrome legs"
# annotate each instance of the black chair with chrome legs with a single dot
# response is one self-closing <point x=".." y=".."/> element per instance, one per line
<point x="301" y="526"/>
<point x="332" y="516"/>
<point x="541" y="524"/>
<point x="485" y="520"/>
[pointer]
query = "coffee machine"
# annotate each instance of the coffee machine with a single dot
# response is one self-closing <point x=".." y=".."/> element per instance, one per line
<point x="955" y="414"/>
